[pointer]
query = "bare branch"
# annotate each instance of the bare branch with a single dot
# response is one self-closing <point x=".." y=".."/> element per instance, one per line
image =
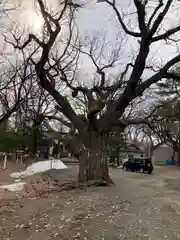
<point x="141" y="17"/>
<point x="65" y="123"/>
<point x="160" y="18"/>
<point x="163" y="73"/>
<point x="154" y="13"/>
<point x="167" y="34"/>
<point x="31" y="37"/>
<point x="45" y="79"/>
<point x="131" y="33"/>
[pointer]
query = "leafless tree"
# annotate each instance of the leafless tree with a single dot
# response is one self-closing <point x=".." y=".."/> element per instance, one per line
<point x="57" y="64"/>
<point x="13" y="87"/>
<point x="10" y="85"/>
<point x="7" y="6"/>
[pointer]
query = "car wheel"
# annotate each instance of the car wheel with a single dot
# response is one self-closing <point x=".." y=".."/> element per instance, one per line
<point x="141" y="170"/>
<point x="149" y="172"/>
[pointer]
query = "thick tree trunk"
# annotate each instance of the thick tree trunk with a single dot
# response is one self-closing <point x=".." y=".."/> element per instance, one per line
<point x="94" y="168"/>
<point x="93" y="165"/>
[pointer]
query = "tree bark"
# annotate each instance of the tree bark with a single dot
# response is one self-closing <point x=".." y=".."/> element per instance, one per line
<point x="93" y="165"/>
<point x="90" y="151"/>
<point x="94" y="168"/>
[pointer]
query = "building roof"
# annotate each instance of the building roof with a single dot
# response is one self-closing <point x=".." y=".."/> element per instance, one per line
<point x="131" y="150"/>
<point x="131" y="147"/>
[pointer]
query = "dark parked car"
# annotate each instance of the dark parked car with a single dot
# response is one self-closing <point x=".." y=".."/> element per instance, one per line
<point x="139" y="164"/>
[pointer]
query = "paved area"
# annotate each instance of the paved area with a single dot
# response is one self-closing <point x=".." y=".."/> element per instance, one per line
<point x="138" y="206"/>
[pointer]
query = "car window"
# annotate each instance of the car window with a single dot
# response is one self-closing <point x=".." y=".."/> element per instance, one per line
<point x="130" y="158"/>
<point x="136" y="160"/>
<point x="142" y="161"/>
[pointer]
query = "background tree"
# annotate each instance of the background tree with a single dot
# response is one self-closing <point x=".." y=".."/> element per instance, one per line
<point x="167" y="116"/>
<point x="31" y="115"/>
<point x="13" y="86"/>
<point x="10" y="84"/>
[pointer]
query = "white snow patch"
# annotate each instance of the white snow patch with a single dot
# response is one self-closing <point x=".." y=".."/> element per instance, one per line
<point x="38" y="167"/>
<point x="124" y="160"/>
<point x="17" y="180"/>
<point x="121" y="166"/>
<point x="14" y="187"/>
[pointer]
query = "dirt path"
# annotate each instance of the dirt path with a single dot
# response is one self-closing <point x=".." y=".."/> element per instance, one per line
<point x="138" y="206"/>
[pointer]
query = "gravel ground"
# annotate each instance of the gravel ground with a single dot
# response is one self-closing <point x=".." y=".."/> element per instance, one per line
<point x="138" y="206"/>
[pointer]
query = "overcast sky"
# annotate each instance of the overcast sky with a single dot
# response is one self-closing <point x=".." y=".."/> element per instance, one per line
<point x="100" y="18"/>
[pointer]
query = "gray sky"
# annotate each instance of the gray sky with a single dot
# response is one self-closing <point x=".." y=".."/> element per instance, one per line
<point x="99" y="17"/>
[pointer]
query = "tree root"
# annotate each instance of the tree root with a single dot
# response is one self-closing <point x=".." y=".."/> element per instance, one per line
<point x="70" y="185"/>
<point x="53" y="185"/>
<point x="98" y="183"/>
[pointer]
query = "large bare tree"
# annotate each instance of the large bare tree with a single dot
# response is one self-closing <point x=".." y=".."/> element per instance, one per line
<point x="56" y="66"/>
